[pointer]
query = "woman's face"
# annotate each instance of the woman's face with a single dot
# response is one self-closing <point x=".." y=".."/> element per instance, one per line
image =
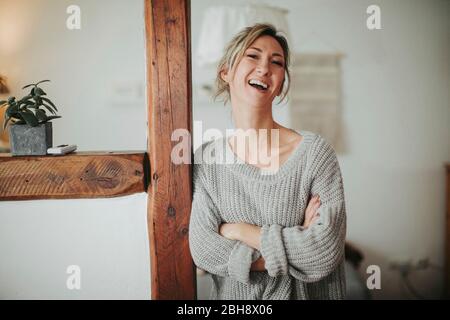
<point x="259" y="75"/>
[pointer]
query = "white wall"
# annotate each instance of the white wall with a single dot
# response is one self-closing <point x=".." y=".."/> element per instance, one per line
<point x="106" y="238"/>
<point x="88" y="68"/>
<point x="396" y="115"/>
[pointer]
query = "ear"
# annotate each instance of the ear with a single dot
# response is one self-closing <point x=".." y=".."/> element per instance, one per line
<point x="225" y="75"/>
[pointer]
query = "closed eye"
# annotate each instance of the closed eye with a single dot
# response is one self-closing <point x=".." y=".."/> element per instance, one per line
<point x="254" y="56"/>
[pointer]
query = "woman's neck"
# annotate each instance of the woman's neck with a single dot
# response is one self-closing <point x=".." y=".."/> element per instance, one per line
<point x="256" y="118"/>
<point x="251" y="122"/>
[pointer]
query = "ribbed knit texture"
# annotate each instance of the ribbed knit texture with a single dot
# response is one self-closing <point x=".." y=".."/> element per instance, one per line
<point x="301" y="263"/>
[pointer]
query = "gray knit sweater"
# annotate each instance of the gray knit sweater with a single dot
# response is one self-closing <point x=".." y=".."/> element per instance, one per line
<point x="301" y="263"/>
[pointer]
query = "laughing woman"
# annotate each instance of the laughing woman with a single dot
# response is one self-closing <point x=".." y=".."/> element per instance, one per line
<point x="266" y="236"/>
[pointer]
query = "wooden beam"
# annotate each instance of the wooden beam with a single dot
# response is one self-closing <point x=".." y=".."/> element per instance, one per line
<point x="75" y="175"/>
<point x="169" y="108"/>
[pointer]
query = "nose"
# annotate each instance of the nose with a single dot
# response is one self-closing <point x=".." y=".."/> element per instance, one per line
<point x="263" y="68"/>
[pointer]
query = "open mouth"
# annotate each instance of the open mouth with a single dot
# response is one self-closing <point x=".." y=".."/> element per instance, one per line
<point x="261" y="86"/>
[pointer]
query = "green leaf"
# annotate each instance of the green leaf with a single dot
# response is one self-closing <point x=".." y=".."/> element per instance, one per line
<point x="53" y="117"/>
<point x="42" y="81"/>
<point x="28" y="85"/>
<point x="38" y="91"/>
<point x="29" y="117"/>
<point x="13" y="117"/>
<point x="5" y="120"/>
<point x="2" y="103"/>
<point x="38" y="101"/>
<point x="19" y="121"/>
<point x="35" y="84"/>
<point x="5" y="123"/>
<point x="28" y="103"/>
<point x="49" y="108"/>
<point x="24" y="101"/>
<point x="48" y="101"/>
<point x="14" y="109"/>
<point x="41" y="116"/>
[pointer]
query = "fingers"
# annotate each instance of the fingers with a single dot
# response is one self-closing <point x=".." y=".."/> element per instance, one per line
<point x="313" y="216"/>
<point x="317" y="203"/>
<point x="313" y="219"/>
<point x="313" y="201"/>
<point x="311" y="213"/>
<point x="314" y="204"/>
<point x="316" y="198"/>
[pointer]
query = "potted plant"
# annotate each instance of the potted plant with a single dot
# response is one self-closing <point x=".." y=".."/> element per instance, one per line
<point x="30" y="132"/>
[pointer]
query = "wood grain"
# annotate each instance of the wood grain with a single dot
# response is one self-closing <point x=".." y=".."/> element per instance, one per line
<point x="72" y="176"/>
<point x="169" y="108"/>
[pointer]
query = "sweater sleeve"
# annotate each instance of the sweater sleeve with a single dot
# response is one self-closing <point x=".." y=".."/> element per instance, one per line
<point x="210" y="251"/>
<point x="313" y="253"/>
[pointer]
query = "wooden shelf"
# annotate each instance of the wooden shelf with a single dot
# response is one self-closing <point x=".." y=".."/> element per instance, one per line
<point x="72" y="176"/>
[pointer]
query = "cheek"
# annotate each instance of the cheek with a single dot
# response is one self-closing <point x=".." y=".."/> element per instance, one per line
<point x="244" y="68"/>
<point x="239" y="80"/>
<point x="279" y="80"/>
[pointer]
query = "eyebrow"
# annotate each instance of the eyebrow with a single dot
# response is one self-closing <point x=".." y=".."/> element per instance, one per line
<point x="273" y="54"/>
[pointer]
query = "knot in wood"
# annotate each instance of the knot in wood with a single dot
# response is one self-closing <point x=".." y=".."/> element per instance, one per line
<point x="171" y="211"/>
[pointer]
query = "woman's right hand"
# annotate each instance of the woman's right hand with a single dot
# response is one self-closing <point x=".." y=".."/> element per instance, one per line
<point x="311" y="213"/>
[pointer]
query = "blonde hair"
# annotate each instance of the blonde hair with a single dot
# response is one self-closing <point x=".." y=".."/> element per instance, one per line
<point x="235" y="51"/>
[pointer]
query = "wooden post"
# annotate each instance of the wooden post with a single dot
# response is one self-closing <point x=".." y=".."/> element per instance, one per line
<point x="169" y="108"/>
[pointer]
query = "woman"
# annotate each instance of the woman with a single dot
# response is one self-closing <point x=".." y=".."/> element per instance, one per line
<point x="266" y="236"/>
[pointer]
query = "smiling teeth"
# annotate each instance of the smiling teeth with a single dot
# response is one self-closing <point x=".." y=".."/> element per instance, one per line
<point x="259" y="83"/>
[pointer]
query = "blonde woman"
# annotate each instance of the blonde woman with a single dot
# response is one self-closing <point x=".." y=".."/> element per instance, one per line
<point x="266" y="236"/>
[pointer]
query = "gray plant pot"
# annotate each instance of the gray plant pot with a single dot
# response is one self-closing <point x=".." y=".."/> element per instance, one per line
<point x="30" y="141"/>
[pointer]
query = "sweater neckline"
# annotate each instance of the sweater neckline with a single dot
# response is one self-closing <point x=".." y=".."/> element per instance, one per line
<point x="255" y="173"/>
